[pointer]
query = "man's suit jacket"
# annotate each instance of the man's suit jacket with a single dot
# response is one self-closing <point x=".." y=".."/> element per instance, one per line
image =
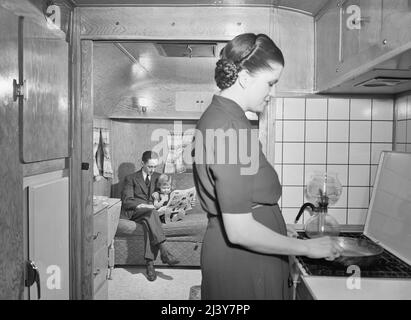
<point x="135" y="191"/>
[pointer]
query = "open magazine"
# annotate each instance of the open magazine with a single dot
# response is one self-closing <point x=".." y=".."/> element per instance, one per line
<point x="181" y="199"/>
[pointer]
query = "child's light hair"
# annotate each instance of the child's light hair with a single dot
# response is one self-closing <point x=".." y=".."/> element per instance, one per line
<point x="164" y="180"/>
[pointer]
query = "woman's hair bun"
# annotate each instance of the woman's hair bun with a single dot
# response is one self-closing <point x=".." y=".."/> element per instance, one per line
<point x="226" y="73"/>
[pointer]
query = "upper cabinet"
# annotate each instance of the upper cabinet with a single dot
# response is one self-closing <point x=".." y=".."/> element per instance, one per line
<point x="293" y="32"/>
<point x="354" y="38"/>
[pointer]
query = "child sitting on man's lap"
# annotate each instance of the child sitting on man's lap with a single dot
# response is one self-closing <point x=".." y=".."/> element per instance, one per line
<point x="161" y="199"/>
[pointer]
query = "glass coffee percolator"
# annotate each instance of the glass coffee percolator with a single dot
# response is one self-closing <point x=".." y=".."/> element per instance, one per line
<point x="322" y="190"/>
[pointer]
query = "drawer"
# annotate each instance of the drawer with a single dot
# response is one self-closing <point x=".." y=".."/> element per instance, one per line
<point x="100" y="265"/>
<point x="100" y="230"/>
<point x="102" y="293"/>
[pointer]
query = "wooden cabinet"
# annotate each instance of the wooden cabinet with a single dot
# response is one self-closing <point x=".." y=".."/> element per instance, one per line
<point x="293" y="32"/>
<point x="353" y="36"/>
<point x="45" y="106"/>
<point x="396" y="23"/>
<point x="105" y="221"/>
<point x="327" y="46"/>
<point x="47" y="212"/>
<point x="360" y="31"/>
<point x="100" y="260"/>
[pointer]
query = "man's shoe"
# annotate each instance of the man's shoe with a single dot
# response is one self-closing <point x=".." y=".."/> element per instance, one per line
<point x="151" y="272"/>
<point x="168" y="258"/>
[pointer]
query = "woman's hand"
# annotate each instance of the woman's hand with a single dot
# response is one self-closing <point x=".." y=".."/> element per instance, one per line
<point x="325" y="247"/>
<point x="291" y="232"/>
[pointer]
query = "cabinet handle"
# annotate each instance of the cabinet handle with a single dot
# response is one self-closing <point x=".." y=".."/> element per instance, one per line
<point x="96" y="235"/>
<point x="95" y="273"/>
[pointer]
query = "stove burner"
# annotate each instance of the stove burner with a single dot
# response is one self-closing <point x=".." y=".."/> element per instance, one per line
<point x="386" y="265"/>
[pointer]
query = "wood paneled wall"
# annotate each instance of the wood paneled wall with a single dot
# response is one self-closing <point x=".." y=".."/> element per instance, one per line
<point x="11" y="175"/>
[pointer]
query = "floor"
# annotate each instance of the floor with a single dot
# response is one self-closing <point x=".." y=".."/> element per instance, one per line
<point x="130" y="283"/>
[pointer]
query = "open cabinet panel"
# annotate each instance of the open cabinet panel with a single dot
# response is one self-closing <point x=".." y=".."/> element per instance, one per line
<point x="45" y="108"/>
<point x="48" y="235"/>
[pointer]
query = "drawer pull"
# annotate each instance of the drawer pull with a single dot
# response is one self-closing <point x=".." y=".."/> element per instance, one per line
<point x="96" y="272"/>
<point x="96" y="235"/>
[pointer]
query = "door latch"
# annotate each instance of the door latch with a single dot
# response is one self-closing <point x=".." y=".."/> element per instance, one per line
<point x="33" y="276"/>
<point x="20" y="90"/>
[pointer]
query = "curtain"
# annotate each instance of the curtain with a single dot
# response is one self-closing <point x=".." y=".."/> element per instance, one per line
<point x="107" y="168"/>
<point x="96" y="143"/>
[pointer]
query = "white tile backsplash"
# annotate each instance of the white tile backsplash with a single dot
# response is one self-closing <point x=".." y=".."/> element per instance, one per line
<point x="293" y="153"/>
<point x="293" y="131"/>
<point x="338" y="131"/>
<point x="401" y="106"/>
<point x="315" y="153"/>
<point x="338" y="214"/>
<point x="338" y="109"/>
<point x="293" y="175"/>
<point x="360" y="109"/>
<point x="357" y="216"/>
<point x="382" y="131"/>
<point x="294" y="109"/>
<point x="316" y="131"/>
<point x="408" y="107"/>
<point x="316" y="109"/>
<point x="339" y="135"/>
<point x="359" y="175"/>
<point x="311" y="169"/>
<point x="360" y="153"/>
<point x="401" y="147"/>
<point x="292" y="195"/>
<point x="383" y="109"/>
<point x="337" y="153"/>
<point x="358" y="197"/>
<point x="341" y="171"/>
<point x="401" y="131"/>
<point x="360" y="131"/>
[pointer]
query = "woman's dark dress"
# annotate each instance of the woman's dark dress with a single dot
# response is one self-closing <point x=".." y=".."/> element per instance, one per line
<point x="229" y="271"/>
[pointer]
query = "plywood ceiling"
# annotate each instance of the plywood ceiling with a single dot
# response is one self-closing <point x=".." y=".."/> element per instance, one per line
<point x="150" y="65"/>
<point x="311" y="7"/>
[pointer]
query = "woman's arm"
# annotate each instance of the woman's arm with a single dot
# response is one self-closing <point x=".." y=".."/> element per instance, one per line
<point x="244" y="230"/>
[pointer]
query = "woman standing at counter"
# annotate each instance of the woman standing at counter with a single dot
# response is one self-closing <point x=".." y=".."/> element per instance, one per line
<point x="245" y="248"/>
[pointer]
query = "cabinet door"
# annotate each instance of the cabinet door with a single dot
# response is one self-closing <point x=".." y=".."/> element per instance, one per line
<point x="48" y="215"/>
<point x="294" y="34"/>
<point x="327" y="46"/>
<point x="361" y="32"/>
<point x="396" y="23"/>
<point x="45" y="108"/>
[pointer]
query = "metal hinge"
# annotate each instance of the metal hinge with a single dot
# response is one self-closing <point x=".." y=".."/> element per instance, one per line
<point x="20" y="90"/>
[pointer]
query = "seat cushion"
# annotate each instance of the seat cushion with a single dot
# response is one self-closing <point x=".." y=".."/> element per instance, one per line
<point x="192" y="227"/>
